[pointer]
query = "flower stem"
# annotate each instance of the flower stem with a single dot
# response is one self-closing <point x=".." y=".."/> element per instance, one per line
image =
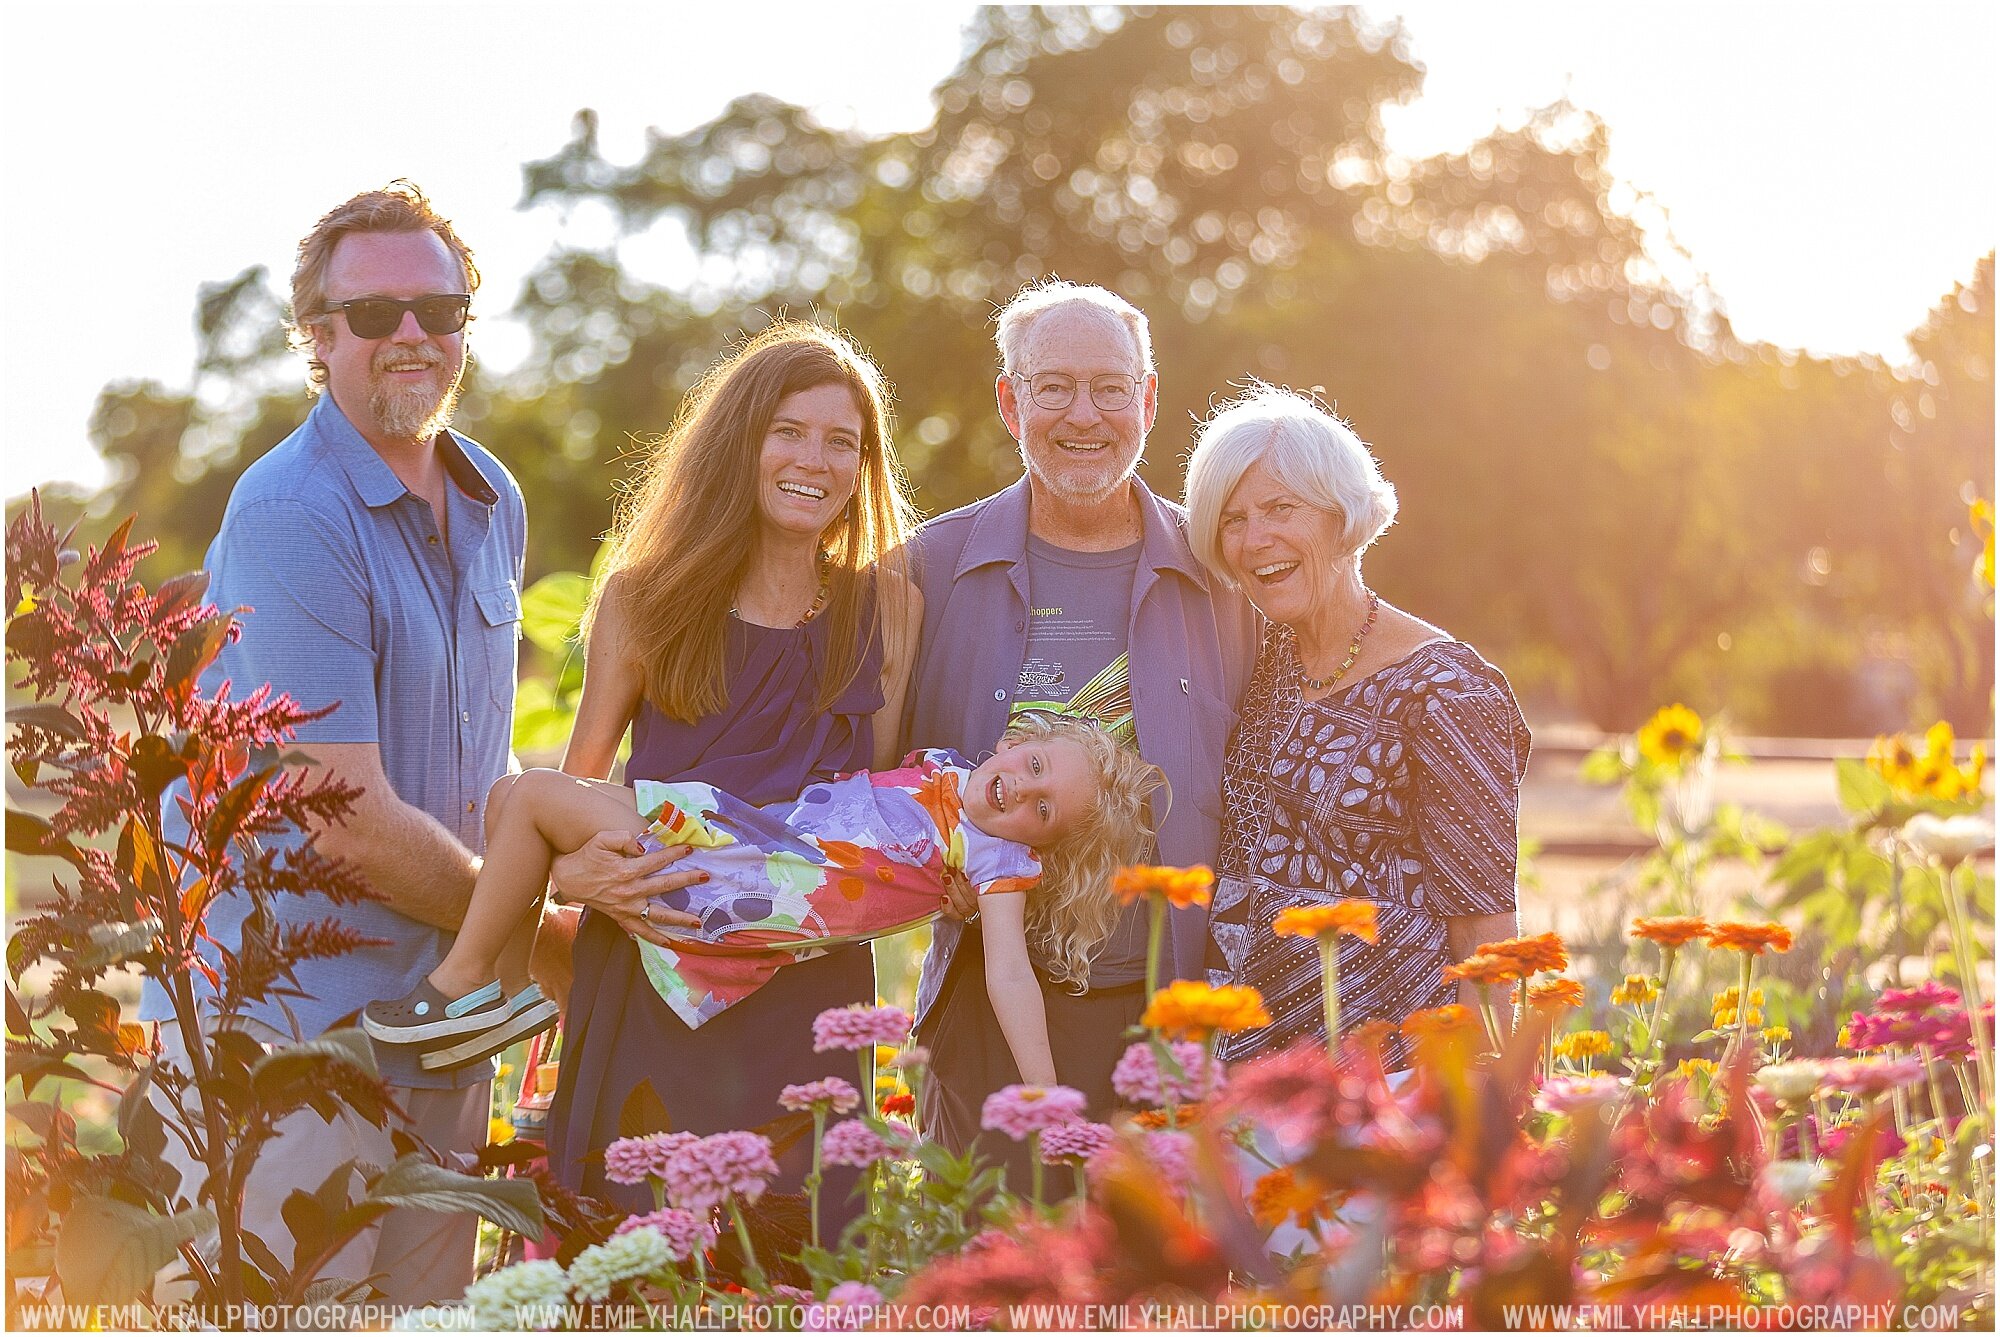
<point x="814" y="1179"/>
<point x="1743" y="1004"/>
<point x="1035" y="1170"/>
<point x="1968" y="981"/>
<point x="753" y="1270"/>
<point x="1329" y="970"/>
<point x="1156" y="933"/>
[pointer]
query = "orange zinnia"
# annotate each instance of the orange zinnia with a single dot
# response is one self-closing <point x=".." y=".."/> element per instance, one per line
<point x="1283" y="1194"/>
<point x="1556" y="993"/>
<point x="1178" y="886"/>
<point x="1189" y="1009"/>
<point x="1671" y="930"/>
<point x="1446" y="1020"/>
<point x="1318" y="921"/>
<point x="1543" y="951"/>
<point x="1485" y="968"/>
<point x="1751" y="939"/>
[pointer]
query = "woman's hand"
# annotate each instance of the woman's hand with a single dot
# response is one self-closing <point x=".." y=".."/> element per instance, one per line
<point x="615" y="876"/>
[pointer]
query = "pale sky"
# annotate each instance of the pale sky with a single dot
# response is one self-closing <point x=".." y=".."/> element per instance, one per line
<point x="1831" y="166"/>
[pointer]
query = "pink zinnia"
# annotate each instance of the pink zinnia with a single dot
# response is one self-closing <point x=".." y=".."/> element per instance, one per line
<point x="685" y="1233"/>
<point x="853" y="1142"/>
<point x="634" y="1160"/>
<point x="1141" y="1078"/>
<point x="848" y="1306"/>
<point x="1168" y="1153"/>
<point x="1566" y="1095"/>
<point x="1872" y="1076"/>
<point x="1923" y="998"/>
<point x="860" y="1027"/>
<point x="1074" y="1143"/>
<point x="840" y="1096"/>
<point x="1020" y="1110"/>
<point x="707" y="1171"/>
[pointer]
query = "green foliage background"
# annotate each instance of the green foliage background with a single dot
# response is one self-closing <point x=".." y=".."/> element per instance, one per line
<point x="1603" y="487"/>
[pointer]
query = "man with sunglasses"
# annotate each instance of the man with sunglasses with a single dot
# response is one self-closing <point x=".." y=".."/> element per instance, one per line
<point x="380" y="556"/>
<point x="1072" y="589"/>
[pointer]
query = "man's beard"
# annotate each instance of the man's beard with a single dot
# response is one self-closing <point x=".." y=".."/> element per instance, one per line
<point x="411" y="412"/>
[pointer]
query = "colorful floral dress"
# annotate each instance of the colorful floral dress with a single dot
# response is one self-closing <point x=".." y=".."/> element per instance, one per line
<point x="854" y="858"/>
<point x="1402" y="788"/>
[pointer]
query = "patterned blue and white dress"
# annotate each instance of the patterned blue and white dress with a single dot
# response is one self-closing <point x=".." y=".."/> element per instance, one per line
<point x="1402" y="788"/>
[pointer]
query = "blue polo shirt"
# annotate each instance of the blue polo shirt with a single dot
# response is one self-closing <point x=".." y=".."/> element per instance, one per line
<point x="356" y="598"/>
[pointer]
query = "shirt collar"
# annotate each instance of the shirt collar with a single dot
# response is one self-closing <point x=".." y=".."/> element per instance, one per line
<point x="373" y="479"/>
<point x="1000" y="534"/>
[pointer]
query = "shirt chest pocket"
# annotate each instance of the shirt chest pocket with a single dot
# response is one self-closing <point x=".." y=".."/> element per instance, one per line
<point x="499" y="635"/>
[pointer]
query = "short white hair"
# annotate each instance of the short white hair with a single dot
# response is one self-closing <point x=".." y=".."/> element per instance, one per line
<point x="1311" y="451"/>
<point x="1038" y="299"/>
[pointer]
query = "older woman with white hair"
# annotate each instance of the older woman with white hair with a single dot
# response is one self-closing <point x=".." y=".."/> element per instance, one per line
<point x="1375" y="757"/>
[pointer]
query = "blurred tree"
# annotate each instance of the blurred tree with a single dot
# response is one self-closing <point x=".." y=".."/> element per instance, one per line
<point x="1603" y="486"/>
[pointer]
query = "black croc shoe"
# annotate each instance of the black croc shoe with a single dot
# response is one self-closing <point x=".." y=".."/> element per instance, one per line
<point x="426" y="1014"/>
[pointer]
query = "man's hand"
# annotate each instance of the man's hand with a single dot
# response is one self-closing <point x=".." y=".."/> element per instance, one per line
<point x="614" y="876"/>
<point x="961" y="902"/>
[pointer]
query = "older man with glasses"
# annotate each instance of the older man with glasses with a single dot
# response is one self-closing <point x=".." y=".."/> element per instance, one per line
<point x="380" y="554"/>
<point x="1072" y="589"/>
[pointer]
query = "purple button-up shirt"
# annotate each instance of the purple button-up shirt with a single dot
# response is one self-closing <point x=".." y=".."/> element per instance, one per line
<point x="1190" y="646"/>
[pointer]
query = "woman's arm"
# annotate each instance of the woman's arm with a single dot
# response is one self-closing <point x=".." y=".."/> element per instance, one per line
<point x="612" y="683"/>
<point x="1013" y="989"/>
<point x="902" y="605"/>
<point x="611" y="874"/>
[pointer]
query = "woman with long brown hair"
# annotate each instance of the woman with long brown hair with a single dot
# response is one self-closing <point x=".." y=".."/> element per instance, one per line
<point x="750" y="630"/>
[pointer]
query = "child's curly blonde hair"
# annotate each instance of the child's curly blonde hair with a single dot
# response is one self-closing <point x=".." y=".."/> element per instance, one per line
<point x="1072" y="911"/>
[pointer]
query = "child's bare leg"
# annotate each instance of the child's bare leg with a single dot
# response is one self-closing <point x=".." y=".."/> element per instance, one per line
<point x="531" y="818"/>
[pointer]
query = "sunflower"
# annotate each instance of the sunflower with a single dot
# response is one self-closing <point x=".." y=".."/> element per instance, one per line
<point x="1556" y="993"/>
<point x="1670" y="736"/>
<point x="1356" y="918"/>
<point x="1671" y="930"/>
<point x="1735" y="935"/>
<point x="1179" y="887"/>
<point x="1189" y="1009"/>
<point x="1636" y="991"/>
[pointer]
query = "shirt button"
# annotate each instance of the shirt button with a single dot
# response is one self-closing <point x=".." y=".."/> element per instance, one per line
<point x="432" y="540"/>
<point x="470" y="806"/>
<point x="1020" y="626"/>
<point x="999" y="693"/>
<point x="465" y="717"/>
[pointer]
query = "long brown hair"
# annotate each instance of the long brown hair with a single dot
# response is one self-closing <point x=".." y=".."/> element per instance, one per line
<point x="687" y="528"/>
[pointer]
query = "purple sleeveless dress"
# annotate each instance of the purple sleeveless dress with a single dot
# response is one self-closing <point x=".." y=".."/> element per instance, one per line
<point x="767" y="744"/>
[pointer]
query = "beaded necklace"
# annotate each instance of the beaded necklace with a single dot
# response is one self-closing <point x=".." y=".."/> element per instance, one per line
<point x="1353" y="650"/>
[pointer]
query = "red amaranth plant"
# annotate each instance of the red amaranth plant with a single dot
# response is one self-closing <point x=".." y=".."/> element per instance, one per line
<point x="120" y="728"/>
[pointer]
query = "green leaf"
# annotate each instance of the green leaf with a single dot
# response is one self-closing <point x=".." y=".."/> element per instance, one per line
<point x="1861" y="790"/>
<point x="511" y="1204"/>
<point x="29" y="834"/>
<point x="107" y="1251"/>
<point x="1606" y="766"/>
<point x="232" y="808"/>
<point x="49" y="717"/>
<point x="552" y="609"/>
<point x="287" y="1078"/>
<point x="194" y="651"/>
<point x="643" y="1112"/>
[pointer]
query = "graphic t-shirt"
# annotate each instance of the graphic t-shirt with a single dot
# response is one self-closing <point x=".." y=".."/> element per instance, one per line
<point x="1080" y="610"/>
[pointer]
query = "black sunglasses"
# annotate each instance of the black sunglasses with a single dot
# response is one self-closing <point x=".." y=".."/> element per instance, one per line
<point x="379" y="317"/>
